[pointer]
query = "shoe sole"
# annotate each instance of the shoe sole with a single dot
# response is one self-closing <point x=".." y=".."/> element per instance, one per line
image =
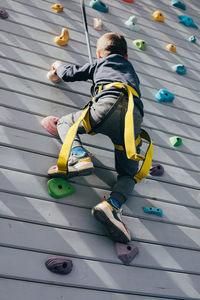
<point x="112" y="230"/>
<point x="72" y="172"/>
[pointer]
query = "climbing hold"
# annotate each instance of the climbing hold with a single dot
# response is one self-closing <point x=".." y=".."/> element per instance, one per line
<point x="171" y="47"/>
<point x="175" y="141"/>
<point x="97" y="23"/>
<point x="131" y="24"/>
<point x="62" y="39"/>
<point x="178" y="4"/>
<point x="126" y="253"/>
<point x="192" y="39"/>
<point x="180" y="69"/>
<point x="129" y="1"/>
<point x="3" y="13"/>
<point x="164" y="96"/>
<point x="50" y="124"/>
<point x="187" y="21"/>
<point x="57" y="7"/>
<point x="59" y="265"/>
<point x="153" y="210"/>
<point x="59" y="188"/>
<point x="158" y="16"/>
<point x="156" y="170"/>
<point x="99" y="5"/>
<point x="140" y="44"/>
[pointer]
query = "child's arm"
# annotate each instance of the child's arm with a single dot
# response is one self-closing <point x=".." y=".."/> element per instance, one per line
<point x="71" y="73"/>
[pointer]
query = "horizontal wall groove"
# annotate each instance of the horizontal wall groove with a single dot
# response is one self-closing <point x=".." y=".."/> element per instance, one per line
<point x="97" y="260"/>
<point x="53" y="225"/>
<point x="102" y="290"/>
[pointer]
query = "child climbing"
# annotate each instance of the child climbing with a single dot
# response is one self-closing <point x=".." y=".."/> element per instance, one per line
<point x="115" y="111"/>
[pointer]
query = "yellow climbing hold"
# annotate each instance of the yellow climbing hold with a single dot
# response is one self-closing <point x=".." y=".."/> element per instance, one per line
<point x="171" y="47"/>
<point x="158" y="16"/>
<point x="57" y="7"/>
<point x="62" y="39"/>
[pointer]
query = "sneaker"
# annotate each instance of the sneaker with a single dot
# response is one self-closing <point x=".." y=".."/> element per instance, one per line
<point x="111" y="219"/>
<point x="79" y="164"/>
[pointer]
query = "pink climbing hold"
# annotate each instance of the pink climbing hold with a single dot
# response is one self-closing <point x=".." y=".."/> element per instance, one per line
<point x="50" y="124"/>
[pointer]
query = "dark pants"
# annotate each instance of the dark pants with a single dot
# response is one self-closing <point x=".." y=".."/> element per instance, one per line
<point x="110" y="122"/>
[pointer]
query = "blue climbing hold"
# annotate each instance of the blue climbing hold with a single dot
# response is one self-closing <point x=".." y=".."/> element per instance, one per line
<point x="178" y="4"/>
<point x="164" y="96"/>
<point x="153" y="210"/>
<point x="180" y="69"/>
<point x="99" y="5"/>
<point x="192" y="39"/>
<point x="187" y="21"/>
<point x="131" y="24"/>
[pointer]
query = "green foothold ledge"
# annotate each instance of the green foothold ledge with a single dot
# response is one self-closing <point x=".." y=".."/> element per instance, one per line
<point x="175" y="141"/>
<point x="140" y="44"/>
<point x="59" y="188"/>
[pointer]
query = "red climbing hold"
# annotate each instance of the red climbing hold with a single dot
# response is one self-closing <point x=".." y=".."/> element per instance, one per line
<point x="126" y="253"/>
<point x="50" y="124"/>
<point x="129" y="1"/>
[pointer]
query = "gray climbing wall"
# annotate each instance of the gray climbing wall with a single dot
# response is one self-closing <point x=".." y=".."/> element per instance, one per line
<point x="35" y="226"/>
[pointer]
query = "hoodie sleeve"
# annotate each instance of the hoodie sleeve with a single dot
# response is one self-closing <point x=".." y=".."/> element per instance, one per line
<point x="76" y="73"/>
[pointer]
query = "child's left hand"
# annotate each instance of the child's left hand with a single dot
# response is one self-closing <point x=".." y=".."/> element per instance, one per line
<point x="51" y="75"/>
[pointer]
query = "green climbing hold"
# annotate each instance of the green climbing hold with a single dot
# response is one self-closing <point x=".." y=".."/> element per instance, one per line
<point x="140" y="44"/>
<point x="175" y="141"/>
<point x="59" y="188"/>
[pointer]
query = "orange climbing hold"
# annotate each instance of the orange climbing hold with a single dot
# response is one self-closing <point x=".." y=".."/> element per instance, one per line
<point x="158" y="16"/>
<point x="63" y="39"/>
<point x="57" y="7"/>
<point x="171" y="47"/>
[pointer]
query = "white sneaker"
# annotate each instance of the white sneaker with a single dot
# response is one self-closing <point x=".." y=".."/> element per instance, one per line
<point x="111" y="219"/>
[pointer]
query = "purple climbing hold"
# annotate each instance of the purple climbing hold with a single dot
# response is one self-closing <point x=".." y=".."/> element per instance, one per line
<point x="59" y="265"/>
<point x="126" y="253"/>
<point x="156" y="170"/>
<point x="3" y="13"/>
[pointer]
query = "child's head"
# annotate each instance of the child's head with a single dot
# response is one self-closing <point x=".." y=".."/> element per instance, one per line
<point x="111" y="43"/>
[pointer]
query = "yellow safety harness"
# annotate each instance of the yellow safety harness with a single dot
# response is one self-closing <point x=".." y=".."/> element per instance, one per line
<point x="129" y="137"/>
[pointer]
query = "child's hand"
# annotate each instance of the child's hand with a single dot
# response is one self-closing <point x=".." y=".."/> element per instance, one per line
<point x="51" y="75"/>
